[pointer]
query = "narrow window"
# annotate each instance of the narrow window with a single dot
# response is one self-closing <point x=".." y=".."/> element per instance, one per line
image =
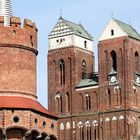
<point x="136" y="62"/>
<point x="88" y="102"/>
<point x="83" y="69"/>
<point x="62" y="72"/>
<point x="114" y="61"/>
<point x="85" y="44"/>
<point x="67" y="102"/>
<point x="112" y="32"/>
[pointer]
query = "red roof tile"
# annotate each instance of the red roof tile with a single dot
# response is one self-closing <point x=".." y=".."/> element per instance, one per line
<point x="12" y="102"/>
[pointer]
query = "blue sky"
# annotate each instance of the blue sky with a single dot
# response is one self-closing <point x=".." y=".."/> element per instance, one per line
<point x="92" y="14"/>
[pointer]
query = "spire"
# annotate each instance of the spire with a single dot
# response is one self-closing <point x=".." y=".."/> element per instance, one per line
<point x="6" y="11"/>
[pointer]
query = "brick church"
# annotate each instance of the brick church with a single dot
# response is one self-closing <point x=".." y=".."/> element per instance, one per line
<point x="90" y="105"/>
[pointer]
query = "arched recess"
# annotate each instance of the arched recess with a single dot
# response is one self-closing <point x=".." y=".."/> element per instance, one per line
<point x="52" y="137"/>
<point x="88" y="102"/>
<point x="17" y="133"/>
<point x="80" y="99"/>
<point x="137" y="62"/>
<point x="113" y="57"/>
<point x="67" y="102"/>
<point x="69" y="70"/>
<point x="106" y="65"/>
<point x="62" y="72"/>
<point x="53" y="71"/>
<point x="83" y="69"/>
<point x="58" y="103"/>
<point x="95" y="102"/>
<point x="120" y="65"/>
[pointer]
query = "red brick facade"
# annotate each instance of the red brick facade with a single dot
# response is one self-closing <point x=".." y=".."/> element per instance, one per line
<point x="107" y="111"/>
<point x="21" y="116"/>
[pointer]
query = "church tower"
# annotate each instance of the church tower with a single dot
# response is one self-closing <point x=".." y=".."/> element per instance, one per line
<point x="70" y="59"/>
<point x="119" y="80"/>
<point x="6" y="11"/>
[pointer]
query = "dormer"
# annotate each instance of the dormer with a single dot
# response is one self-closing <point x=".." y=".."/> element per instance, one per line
<point x="116" y="28"/>
<point x="66" y="33"/>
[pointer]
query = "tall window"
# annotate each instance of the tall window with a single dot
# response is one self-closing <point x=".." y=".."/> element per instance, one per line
<point x="67" y="102"/>
<point x="136" y="62"/>
<point x="62" y="72"/>
<point x="113" y="61"/>
<point x="58" y="103"/>
<point x="80" y="102"/>
<point x="88" y="102"/>
<point x="83" y="69"/>
<point x="80" y="125"/>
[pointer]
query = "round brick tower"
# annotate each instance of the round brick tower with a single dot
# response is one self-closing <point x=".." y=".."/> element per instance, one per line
<point x="18" y="51"/>
<point x="21" y="115"/>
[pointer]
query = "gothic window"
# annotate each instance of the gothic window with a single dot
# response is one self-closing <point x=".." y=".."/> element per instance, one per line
<point x="67" y="102"/>
<point x="113" y="61"/>
<point x="80" y="103"/>
<point x="136" y="62"/>
<point x="53" y="71"/>
<point x="85" y="44"/>
<point x="62" y="72"/>
<point x="58" y="103"/>
<point x="106" y="65"/>
<point x="83" y="69"/>
<point x="88" y="130"/>
<point x="80" y="125"/>
<point x="88" y="102"/>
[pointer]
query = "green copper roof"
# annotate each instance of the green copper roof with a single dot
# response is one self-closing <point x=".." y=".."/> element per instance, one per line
<point x="128" y="29"/>
<point x="78" y="29"/>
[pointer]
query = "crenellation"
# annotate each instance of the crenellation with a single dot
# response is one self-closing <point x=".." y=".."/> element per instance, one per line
<point x="18" y="35"/>
<point x="15" y="22"/>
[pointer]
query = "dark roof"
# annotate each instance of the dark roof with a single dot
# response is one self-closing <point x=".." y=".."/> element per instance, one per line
<point x="12" y="102"/>
<point x="128" y="29"/>
<point x="87" y="82"/>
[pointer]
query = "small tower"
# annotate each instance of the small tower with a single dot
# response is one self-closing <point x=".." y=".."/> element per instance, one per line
<point x="6" y="11"/>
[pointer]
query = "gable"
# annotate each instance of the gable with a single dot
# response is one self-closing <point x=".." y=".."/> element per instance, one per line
<point x="60" y="29"/>
<point x="112" y="30"/>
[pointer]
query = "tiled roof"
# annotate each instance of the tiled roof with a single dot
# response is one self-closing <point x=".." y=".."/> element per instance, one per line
<point x="77" y="29"/>
<point x="12" y="102"/>
<point x="128" y="29"/>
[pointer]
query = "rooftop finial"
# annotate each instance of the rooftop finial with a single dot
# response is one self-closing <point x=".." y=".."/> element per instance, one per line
<point x="6" y="11"/>
<point x="112" y="15"/>
<point x="60" y="12"/>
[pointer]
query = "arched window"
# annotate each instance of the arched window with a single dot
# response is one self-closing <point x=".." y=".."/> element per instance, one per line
<point x="62" y="72"/>
<point x="58" y="103"/>
<point x="106" y="65"/>
<point x="80" y="125"/>
<point x="113" y="61"/>
<point x="88" y="102"/>
<point x="136" y="62"/>
<point x="53" y="71"/>
<point x="83" y="69"/>
<point x="80" y="102"/>
<point x="67" y="102"/>
<point x="88" y="130"/>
